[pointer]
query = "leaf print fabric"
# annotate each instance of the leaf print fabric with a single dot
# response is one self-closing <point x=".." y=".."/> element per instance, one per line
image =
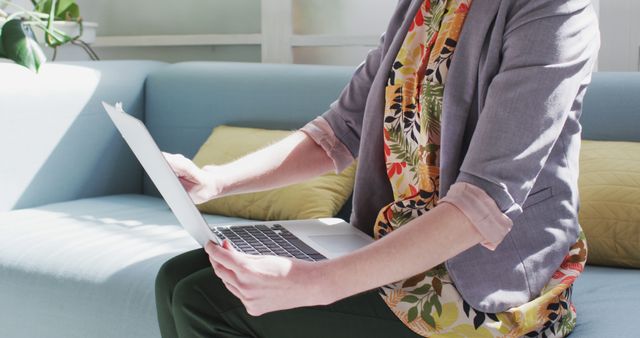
<point x="429" y="303"/>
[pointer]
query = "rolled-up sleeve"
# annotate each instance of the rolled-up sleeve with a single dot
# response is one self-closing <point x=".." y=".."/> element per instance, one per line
<point x="322" y="134"/>
<point x="482" y="212"/>
<point x="547" y="58"/>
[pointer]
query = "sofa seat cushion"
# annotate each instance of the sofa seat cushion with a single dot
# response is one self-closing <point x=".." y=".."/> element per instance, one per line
<point x="608" y="303"/>
<point x="94" y="261"/>
<point x="86" y="268"/>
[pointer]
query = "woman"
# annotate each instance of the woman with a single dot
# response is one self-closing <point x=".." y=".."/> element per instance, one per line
<point x="465" y="125"/>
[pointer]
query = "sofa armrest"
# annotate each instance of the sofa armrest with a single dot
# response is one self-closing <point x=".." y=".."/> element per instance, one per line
<point x="56" y="141"/>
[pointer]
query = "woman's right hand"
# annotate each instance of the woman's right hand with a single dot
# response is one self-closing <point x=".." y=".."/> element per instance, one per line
<point x="202" y="185"/>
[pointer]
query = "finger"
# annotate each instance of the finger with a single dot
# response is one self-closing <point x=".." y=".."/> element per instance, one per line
<point x="227" y="276"/>
<point x="218" y="271"/>
<point x="230" y="258"/>
<point x="186" y="183"/>
<point x="235" y="291"/>
<point x="255" y="309"/>
<point x="230" y="280"/>
<point x="174" y="162"/>
<point x="182" y="166"/>
<point x="208" y="248"/>
<point x="227" y="245"/>
<point x="173" y="159"/>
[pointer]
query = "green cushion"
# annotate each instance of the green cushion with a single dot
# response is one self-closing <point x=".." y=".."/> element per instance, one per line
<point x="610" y="202"/>
<point x="320" y="197"/>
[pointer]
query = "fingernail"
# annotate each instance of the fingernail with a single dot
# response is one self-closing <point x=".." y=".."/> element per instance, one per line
<point x="227" y="244"/>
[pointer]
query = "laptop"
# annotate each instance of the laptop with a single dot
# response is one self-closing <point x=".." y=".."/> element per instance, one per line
<point x="311" y="240"/>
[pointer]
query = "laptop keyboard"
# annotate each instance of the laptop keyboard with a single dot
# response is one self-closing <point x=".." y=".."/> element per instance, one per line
<point x="267" y="240"/>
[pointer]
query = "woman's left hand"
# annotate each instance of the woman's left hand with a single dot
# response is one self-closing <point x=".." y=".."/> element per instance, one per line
<point x="269" y="283"/>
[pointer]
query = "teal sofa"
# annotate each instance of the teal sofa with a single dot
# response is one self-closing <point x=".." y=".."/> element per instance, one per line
<point x="83" y="232"/>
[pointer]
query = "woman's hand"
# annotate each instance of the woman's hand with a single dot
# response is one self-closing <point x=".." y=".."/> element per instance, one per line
<point x="269" y="283"/>
<point x="201" y="184"/>
<point x="294" y="159"/>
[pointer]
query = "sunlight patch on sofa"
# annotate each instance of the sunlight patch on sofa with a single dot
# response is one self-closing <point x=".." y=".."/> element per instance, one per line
<point x="85" y="248"/>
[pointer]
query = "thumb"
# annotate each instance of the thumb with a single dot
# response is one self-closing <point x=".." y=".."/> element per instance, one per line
<point x="227" y="245"/>
<point x="186" y="183"/>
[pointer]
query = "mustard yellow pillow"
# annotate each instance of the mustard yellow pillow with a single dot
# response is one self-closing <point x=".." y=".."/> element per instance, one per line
<point x="610" y="202"/>
<point x="319" y="197"/>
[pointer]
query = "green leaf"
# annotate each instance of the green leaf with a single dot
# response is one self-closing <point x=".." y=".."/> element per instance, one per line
<point x="19" y="44"/>
<point x="39" y="6"/>
<point x="439" y="271"/>
<point x="426" y="313"/>
<point x="426" y="306"/>
<point x="437" y="304"/>
<point x="422" y="290"/>
<point x="426" y="316"/>
<point x="48" y="37"/>
<point x="64" y="9"/>
<point x="54" y="37"/>
<point x="413" y="313"/>
<point x="72" y="13"/>
<point x="409" y="299"/>
<point x="67" y="10"/>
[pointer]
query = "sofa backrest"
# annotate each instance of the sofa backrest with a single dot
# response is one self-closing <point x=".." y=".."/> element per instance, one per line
<point x="185" y="101"/>
<point x="56" y="141"/>
<point x="58" y="144"/>
<point x="612" y="107"/>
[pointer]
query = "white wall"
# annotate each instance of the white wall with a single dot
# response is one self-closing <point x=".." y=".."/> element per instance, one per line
<point x="358" y="17"/>
<point x="159" y="17"/>
<point x="618" y="23"/>
<point x="156" y="17"/>
<point x="334" y="17"/>
<point x="620" y="30"/>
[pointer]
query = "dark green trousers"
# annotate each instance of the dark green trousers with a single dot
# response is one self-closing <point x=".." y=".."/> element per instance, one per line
<point x="193" y="302"/>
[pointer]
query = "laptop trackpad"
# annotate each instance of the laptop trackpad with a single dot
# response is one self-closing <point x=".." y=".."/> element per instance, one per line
<point x="339" y="244"/>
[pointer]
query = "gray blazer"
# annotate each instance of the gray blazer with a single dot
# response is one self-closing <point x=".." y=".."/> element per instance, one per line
<point x="509" y="126"/>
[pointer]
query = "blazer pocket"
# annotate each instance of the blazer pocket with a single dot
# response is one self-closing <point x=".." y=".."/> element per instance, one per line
<point x="537" y="197"/>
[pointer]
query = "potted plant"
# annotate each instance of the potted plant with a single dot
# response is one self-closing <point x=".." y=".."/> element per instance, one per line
<point x="18" y="30"/>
